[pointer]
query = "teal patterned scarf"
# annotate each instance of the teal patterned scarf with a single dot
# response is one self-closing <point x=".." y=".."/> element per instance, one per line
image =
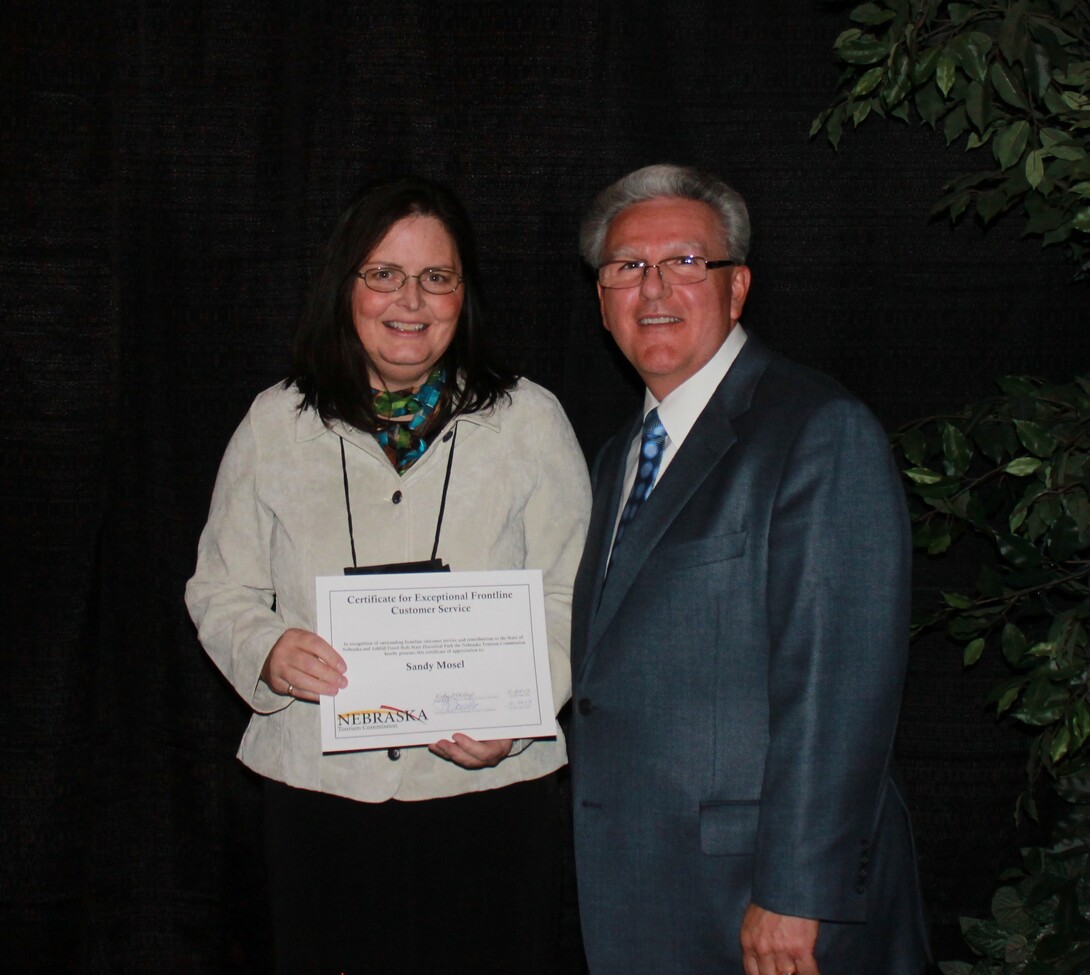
<point x="407" y="419"/>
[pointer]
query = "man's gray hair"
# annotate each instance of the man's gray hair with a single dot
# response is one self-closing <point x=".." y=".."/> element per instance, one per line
<point x="666" y="180"/>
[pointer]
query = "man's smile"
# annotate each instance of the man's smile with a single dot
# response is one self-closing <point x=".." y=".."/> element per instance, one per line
<point x="659" y="320"/>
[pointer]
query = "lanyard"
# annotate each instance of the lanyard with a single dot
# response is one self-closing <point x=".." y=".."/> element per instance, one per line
<point x="432" y="564"/>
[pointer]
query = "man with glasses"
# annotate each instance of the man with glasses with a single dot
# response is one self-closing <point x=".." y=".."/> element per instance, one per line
<point x="739" y="631"/>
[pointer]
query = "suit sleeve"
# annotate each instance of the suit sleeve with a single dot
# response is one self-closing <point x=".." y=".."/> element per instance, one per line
<point x="837" y="602"/>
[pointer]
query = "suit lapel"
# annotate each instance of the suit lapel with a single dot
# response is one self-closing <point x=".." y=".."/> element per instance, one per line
<point x="710" y="439"/>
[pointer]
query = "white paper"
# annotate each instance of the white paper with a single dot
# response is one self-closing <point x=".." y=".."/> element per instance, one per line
<point x="434" y="653"/>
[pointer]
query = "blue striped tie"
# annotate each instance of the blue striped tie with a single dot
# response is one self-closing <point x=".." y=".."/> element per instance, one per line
<point x="651" y="445"/>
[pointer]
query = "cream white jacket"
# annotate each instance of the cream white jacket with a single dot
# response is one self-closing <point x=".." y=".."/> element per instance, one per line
<point x="519" y="497"/>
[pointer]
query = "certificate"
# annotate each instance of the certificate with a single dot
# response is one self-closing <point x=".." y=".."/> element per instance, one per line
<point x="430" y="654"/>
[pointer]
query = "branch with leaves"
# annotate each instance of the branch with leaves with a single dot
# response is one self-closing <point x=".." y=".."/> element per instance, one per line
<point x="1040" y="923"/>
<point x="1010" y="74"/>
<point x="1015" y="470"/>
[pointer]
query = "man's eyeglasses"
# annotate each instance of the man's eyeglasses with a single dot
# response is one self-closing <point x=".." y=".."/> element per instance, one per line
<point x="688" y="269"/>
<point x="434" y="280"/>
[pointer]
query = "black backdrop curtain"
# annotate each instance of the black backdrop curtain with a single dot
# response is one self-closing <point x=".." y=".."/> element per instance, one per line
<point x="170" y="170"/>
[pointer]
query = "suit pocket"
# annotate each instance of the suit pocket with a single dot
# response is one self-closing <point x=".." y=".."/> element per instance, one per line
<point x="729" y="828"/>
<point x="701" y="551"/>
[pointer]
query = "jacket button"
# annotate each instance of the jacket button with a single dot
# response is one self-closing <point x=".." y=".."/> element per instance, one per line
<point x="585" y="707"/>
<point x="396" y="498"/>
<point x="393" y="754"/>
<point x="861" y="889"/>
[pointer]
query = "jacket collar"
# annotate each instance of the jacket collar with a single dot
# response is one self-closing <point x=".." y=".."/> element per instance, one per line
<point x="309" y="426"/>
<point x="710" y="439"/>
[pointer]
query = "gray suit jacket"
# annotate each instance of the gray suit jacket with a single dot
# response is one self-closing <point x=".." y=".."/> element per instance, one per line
<point x="737" y="680"/>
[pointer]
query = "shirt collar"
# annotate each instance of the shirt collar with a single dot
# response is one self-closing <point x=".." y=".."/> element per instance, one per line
<point x="681" y="407"/>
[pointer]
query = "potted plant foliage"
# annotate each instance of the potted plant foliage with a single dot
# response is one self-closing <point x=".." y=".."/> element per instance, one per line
<point x="1011" y="78"/>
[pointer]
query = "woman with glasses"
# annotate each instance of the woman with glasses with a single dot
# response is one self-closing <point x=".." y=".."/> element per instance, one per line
<point x="396" y="439"/>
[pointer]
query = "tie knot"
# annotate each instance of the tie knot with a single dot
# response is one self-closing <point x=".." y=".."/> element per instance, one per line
<point x="653" y="430"/>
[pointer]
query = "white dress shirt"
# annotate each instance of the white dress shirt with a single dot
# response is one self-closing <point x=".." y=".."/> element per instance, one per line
<point x="680" y="409"/>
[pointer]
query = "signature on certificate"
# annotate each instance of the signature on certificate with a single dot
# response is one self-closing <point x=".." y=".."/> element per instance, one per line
<point x="451" y="702"/>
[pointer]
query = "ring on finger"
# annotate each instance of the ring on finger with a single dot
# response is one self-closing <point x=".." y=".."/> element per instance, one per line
<point x="291" y="689"/>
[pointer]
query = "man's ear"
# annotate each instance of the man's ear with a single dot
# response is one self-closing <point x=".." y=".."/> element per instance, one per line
<point x="602" y="308"/>
<point x="739" y="289"/>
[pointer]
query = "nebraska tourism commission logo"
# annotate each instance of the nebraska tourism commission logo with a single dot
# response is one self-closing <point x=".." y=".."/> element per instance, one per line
<point x="381" y="716"/>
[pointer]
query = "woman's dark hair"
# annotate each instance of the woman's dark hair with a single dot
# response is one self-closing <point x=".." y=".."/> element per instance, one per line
<point x="329" y="363"/>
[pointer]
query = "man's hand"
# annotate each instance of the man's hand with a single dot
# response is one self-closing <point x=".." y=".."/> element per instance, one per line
<point x="778" y="944"/>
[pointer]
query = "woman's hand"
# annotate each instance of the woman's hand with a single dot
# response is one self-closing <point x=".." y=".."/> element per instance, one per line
<point x="470" y="753"/>
<point x="302" y="665"/>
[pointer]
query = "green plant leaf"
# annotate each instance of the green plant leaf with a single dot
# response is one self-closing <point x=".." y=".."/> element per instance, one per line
<point x="1081" y="220"/>
<point x="899" y="111"/>
<point x="954" y="124"/>
<point x="957" y="600"/>
<point x="1076" y="101"/>
<point x="945" y="71"/>
<point x="1035" y="438"/>
<point x="1077" y="506"/>
<point x="835" y="126"/>
<point x="983" y="936"/>
<point x="1022" y="466"/>
<point x="1063" y="540"/>
<point x="868" y="81"/>
<point x="1061" y="742"/>
<point x="924" y="66"/>
<point x="893" y="95"/>
<point x="1078" y="723"/>
<point x="966" y="626"/>
<point x="861" y="111"/>
<point x="1042" y="703"/>
<point x="1035" y="168"/>
<point x="930" y="104"/>
<point x="871" y="14"/>
<point x="1014" y="644"/>
<point x="1018" y="552"/>
<point x="973" y="650"/>
<point x="960" y="12"/>
<point x="955" y="968"/>
<point x="913" y="446"/>
<point x="971" y="51"/>
<point x="1012" y="34"/>
<point x="978" y="106"/>
<point x="1038" y="69"/>
<point x="990" y="204"/>
<point x="957" y="451"/>
<point x="1010" y="142"/>
<point x="923" y="475"/>
<point x="1005" y="692"/>
<point x="939" y="542"/>
<point x="1016" y="386"/>
<point x="1042" y="217"/>
<point x="1004" y="83"/>
<point x="861" y="49"/>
